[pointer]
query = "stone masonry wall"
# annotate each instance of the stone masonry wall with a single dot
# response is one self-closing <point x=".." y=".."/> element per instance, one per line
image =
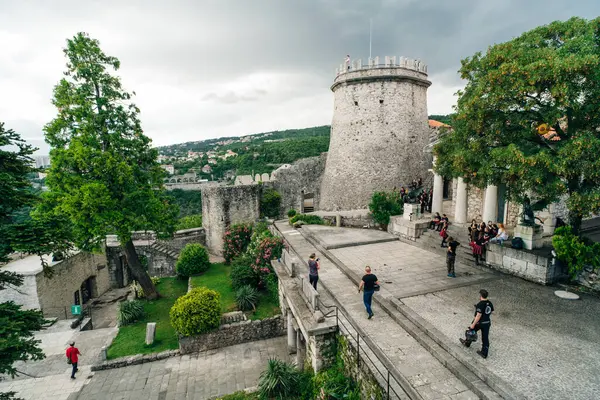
<point x="475" y="198"/>
<point x="230" y="334"/>
<point x="26" y="296"/>
<point x="528" y="265"/>
<point x="58" y="292"/>
<point x="378" y="133"/>
<point x="302" y="177"/>
<point x="223" y="206"/>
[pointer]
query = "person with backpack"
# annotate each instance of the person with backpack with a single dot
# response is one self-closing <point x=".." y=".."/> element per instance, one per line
<point x="482" y="322"/>
<point x="72" y="358"/>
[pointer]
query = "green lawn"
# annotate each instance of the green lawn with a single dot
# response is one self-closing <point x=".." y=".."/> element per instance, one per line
<point x="131" y="338"/>
<point x="217" y="278"/>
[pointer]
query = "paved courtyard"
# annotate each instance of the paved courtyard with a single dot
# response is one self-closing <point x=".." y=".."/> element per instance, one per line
<point x="197" y="376"/>
<point x="545" y="347"/>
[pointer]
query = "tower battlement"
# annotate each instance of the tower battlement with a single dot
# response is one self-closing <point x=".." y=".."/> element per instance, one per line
<point x="388" y="62"/>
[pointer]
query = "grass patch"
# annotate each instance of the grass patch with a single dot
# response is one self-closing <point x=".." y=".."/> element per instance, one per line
<point x="131" y="338"/>
<point x="217" y="278"/>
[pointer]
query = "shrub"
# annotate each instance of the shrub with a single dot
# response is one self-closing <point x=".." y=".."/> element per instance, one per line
<point x="268" y="249"/>
<point x="197" y="312"/>
<point x="280" y="380"/>
<point x="575" y="252"/>
<point x="236" y="240"/>
<point x="155" y="280"/>
<point x="272" y="285"/>
<point x="246" y="298"/>
<point x="385" y="204"/>
<point x="192" y="260"/>
<point x="291" y="212"/>
<point x="308" y="219"/>
<point x="270" y="200"/>
<point x="243" y="272"/>
<point x="129" y="312"/>
<point x="189" y="222"/>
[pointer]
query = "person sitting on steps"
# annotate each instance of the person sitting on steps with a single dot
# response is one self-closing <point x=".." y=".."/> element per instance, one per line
<point x="501" y="236"/>
<point x="435" y="221"/>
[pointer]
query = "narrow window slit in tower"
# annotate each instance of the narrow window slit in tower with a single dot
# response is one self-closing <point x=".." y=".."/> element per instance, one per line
<point x="356" y="103"/>
<point x="380" y="101"/>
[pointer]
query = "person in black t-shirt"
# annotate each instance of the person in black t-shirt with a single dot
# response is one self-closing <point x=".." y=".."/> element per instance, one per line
<point x="482" y="322"/>
<point x="451" y="256"/>
<point x="367" y="285"/>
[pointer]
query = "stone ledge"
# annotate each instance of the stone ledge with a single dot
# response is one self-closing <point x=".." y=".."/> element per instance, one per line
<point x="134" y="360"/>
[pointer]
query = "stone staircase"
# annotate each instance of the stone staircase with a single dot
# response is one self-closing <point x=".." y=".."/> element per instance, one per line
<point x="161" y="248"/>
<point x="431" y="240"/>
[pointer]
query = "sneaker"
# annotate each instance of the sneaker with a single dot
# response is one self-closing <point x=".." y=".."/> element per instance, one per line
<point x="370" y="316"/>
<point x="449" y="275"/>
<point x="481" y="354"/>
<point x="452" y="275"/>
<point x="72" y="377"/>
<point x="465" y="343"/>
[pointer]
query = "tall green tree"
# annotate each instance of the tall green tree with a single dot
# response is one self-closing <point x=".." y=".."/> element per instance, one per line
<point x="16" y="325"/>
<point x="529" y="117"/>
<point x="104" y="174"/>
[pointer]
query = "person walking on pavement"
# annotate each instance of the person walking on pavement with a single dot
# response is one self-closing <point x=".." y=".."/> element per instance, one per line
<point x="367" y="285"/>
<point x="451" y="256"/>
<point x="313" y="270"/>
<point x="482" y="322"/>
<point x="72" y="358"/>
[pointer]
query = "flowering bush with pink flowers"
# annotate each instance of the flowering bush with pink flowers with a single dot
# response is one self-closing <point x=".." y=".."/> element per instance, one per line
<point x="268" y="249"/>
<point x="236" y="240"/>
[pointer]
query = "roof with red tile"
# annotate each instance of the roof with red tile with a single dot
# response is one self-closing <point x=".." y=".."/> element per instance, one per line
<point x="437" y="124"/>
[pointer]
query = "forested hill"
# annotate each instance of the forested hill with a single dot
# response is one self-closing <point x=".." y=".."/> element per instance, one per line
<point x="237" y="142"/>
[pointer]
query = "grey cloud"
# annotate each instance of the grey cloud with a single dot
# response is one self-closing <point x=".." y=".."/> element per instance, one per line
<point x="185" y="50"/>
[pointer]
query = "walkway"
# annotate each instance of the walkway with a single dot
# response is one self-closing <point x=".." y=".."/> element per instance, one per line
<point x="427" y="375"/>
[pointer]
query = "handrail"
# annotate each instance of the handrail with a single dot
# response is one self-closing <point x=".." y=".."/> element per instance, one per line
<point x="389" y="375"/>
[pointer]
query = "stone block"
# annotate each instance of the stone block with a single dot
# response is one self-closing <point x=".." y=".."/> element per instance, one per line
<point x="532" y="236"/>
<point x="515" y="265"/>
<point x="150" y="332"/>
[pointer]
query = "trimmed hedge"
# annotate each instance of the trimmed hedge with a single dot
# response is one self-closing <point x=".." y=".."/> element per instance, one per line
<point x="197" y="312"/>
<point x="193" y="260"/>
<point x="308" y="219"/>
<point x="243" y="273"/>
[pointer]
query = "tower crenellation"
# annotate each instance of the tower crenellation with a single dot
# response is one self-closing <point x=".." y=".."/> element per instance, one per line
<point x="385" y="62"/>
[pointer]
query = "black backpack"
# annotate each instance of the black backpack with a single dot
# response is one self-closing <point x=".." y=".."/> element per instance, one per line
<point x="517" y="243"/>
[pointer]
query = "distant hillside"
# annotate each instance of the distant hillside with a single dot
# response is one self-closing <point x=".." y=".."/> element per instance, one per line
<point x="237" y="142"/>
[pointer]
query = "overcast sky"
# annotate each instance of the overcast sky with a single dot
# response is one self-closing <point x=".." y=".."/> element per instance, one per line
<point x="203" y="69"/>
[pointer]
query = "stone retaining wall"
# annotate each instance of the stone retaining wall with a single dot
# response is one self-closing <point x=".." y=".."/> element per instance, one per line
<point x="231" y="334"/>
<point x="528" y="265"/>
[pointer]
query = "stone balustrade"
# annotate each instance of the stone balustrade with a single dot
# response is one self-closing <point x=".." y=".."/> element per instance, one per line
<point x="388" y="62"/>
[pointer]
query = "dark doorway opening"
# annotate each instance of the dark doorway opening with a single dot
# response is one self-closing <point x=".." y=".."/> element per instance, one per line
<point x="308" y="202"/>
<point x="76" y="298"/>
<point x="446" y="190"/>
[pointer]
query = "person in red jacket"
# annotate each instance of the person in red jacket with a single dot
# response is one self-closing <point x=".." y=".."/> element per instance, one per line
<point x="72" y="353"/>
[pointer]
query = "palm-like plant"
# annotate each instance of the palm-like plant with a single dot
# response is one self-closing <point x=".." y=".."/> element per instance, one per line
<point x="280" y="380"/>
<point x="246" y="298"/>
<point x="129" y="311"/>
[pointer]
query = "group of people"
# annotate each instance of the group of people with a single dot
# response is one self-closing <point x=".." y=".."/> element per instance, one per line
<point x="481" y="234"/>
<point x="369" y="284"/>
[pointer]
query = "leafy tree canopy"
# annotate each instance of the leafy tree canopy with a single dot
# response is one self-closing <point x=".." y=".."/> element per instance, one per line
<point x="104" y="174"/>
<point x="529" y="118"/>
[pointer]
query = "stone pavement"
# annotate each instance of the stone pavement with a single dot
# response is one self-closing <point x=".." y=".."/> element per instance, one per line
<point x="197" y="376"/>
<point x="546" y="347"/>
<point x="408" y="271"/>
<point x="426" y="374"/>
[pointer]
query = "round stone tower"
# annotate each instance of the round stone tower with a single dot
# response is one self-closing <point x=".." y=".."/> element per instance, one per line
<point x="378" y="132"/>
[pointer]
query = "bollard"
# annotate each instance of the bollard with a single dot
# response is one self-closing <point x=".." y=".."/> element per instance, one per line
<point x="150" y="332"/>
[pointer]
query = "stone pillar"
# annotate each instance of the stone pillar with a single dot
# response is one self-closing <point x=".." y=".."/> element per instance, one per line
<point x="490" y="205"/>
<point x="300" y="350"/>
<point x="291" y="333"/>
<point x="460" y="211"/>
<point x="437" y="202"/>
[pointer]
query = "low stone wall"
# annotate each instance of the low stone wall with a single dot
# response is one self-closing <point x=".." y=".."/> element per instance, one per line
<point x="536" y="266"/>
<point x="410" y="230"/>
<point x="134" y="360"/>
<point x="231" y="334"/>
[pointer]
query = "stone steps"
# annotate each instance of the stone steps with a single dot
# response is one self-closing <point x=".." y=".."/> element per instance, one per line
<point x="164" y="250"/>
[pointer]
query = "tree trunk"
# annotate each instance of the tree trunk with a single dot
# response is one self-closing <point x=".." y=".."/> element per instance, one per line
<point x="138" y="271"/>
<point x="575" y="223"/>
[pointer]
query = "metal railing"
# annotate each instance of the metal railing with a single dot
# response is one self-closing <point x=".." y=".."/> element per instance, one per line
<point x="367" y="353"/>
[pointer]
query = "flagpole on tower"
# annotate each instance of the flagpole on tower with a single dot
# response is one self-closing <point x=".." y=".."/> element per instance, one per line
<point x="370" y="35"/>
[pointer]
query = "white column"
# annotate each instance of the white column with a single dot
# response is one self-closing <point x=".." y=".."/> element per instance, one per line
<point x="437" y="202"/>
<point x="490" y="205"/>
<point x="460" y="212"/>
<point x="291" y="333"/>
